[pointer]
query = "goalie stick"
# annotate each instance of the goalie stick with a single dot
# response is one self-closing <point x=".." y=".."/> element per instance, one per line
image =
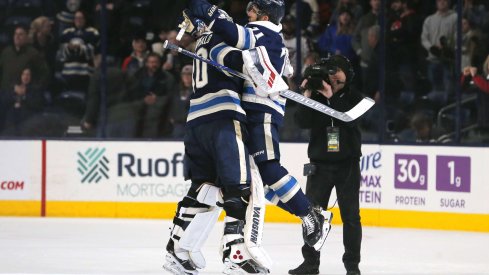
<point x="363" y="106"/>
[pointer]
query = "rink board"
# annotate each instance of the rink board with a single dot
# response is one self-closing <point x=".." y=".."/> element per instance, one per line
<point x="402" y="186"/>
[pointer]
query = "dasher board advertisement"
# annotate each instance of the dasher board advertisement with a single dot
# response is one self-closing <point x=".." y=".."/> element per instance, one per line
<point x="20" y="170"/>
<point x="115" y="171"/>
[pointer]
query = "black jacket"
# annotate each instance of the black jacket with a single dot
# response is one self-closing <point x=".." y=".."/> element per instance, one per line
<point x="350" y="137"/>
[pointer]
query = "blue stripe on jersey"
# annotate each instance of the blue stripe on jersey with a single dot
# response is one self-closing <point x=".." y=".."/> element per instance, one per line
<point x="249" y="90"/>
<point x="286" y="187"/>
<point x="213" y="102"/>
<point x="247" y="39"/>
<point x="216" y="51"/>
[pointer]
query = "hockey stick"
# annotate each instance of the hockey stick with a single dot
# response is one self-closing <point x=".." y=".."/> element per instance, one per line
<point x="363" y="106"/>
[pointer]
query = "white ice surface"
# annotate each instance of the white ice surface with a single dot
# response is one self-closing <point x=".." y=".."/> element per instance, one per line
<point x="136" y="246"/>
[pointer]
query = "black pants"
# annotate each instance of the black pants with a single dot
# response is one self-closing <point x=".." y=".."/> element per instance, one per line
<point x="345" y="176"/>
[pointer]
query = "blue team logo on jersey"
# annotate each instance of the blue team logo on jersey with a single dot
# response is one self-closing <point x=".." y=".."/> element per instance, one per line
<point x="93" y="165"/>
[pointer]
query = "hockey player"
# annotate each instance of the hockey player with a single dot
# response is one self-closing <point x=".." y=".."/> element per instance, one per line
<point x="264" y="114"/>
<point x="214" y="149"/>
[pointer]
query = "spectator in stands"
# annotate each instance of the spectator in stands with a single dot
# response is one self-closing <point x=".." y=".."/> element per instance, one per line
<point x="392" y="86"/>
<point x="121" y="116"/>
<point x="351" y="5"/>
<point x="423" y="128"/>
<point x="473" y="48"/>
<point x="360" y="38"/>
<point x="157" y="46"/>
<point x="170" y="56"/>
<point x="66" y="15"/>
<point x="372" y="72"/>
<point x="337" y="39"/>
<point x="471" y="80"/>
<point x="180" y="103"/>
<point x="20" y="103"/>
<point x="477" y="13"/>
<point x="20" y="55"/>
<point x="403" y="41"/>
<point x="311" y="58"/>
<point x="78" y="48"/>
<point x="290" y="41"/>
<point x="309" y="15"/>
<point x="42" y="39"/>
<point x="151" y="87"/>
<point x="135" y="61"/>
<point x="173" y="61"/>
<point x="438" y="38"/>
<point x="290" y="130"/>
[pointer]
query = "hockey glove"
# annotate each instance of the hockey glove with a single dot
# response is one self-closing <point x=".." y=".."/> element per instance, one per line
<point x="203" y="10"/>
<point x="192" y="25"/>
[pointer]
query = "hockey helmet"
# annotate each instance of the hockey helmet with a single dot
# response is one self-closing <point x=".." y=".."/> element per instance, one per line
<point x="274" y="9"/>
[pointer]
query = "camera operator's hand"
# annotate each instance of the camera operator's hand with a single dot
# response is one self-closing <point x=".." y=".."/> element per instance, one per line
<point x="326" y="91"/>
<point x="306" y="92"/>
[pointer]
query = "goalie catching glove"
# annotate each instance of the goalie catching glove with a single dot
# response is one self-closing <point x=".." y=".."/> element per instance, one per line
<point x="266" y="80"/>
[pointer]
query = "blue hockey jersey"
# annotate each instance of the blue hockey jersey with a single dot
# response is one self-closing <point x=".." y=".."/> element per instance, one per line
<point x="216" y="94"/>
<point x="254" y="34"/>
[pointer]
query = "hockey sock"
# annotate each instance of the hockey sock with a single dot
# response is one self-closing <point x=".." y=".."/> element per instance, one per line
<point x="285" y="186"/>
<point x="272" y="197"/>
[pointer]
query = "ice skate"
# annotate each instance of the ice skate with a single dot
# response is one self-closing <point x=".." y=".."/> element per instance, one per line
<point x="235" y="256"/>
<point x="242" y="268"/>
<point x="178" y="266"/>
<point x="315" y="227"/>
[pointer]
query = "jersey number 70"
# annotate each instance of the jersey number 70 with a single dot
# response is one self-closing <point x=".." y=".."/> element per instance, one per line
<point x="200" y="77"/>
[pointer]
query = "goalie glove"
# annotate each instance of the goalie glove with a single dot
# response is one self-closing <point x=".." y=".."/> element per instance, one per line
<point x="203" y="10"/>
<point x="191" y="24"/>
<point x="267" y="81"/>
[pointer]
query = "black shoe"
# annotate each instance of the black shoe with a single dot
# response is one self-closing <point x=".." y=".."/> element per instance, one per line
<point x="305" y="268"/>
<point x="353" y="270"/>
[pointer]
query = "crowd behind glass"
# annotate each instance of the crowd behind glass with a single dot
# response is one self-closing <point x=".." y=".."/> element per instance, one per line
<point x="52" y="74"/>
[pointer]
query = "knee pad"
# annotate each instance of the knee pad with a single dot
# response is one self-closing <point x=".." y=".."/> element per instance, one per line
<point x="235" y="201"/>
<point x="196" y="215"/>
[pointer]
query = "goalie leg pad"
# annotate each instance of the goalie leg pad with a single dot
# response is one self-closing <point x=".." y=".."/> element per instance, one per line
<point x="197" y="233"/>
<point x="255" y="218"/>
<point x="193" y="222"/>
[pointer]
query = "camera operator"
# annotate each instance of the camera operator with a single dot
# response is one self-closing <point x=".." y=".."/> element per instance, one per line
<point x="334" y="153"/>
